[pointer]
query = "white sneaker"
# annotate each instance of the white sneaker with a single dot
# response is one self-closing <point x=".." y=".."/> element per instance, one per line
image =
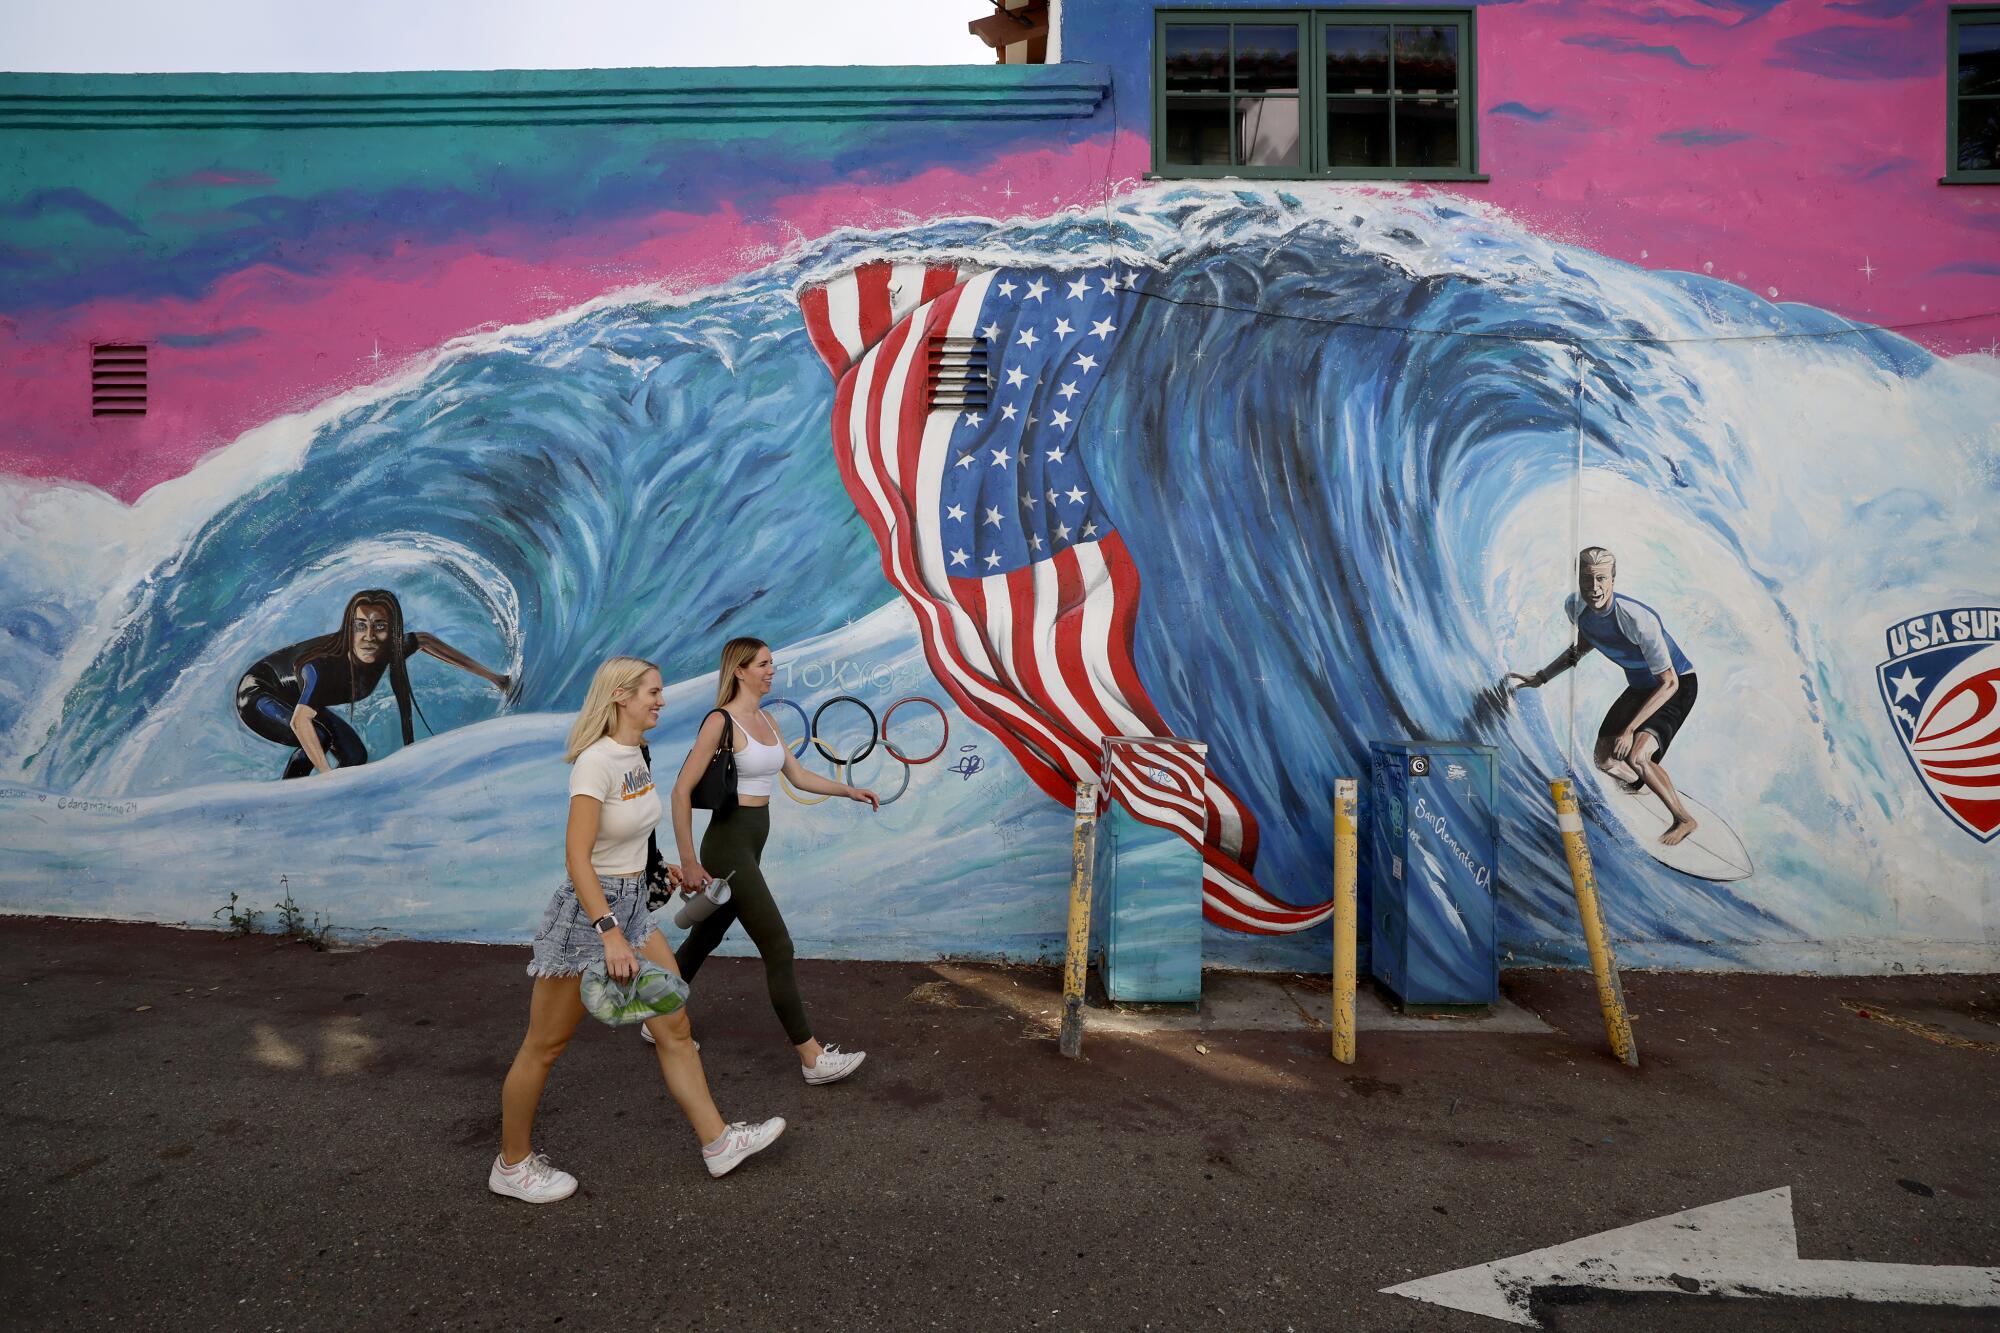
<point x="834" y="1065"/>
<point x="739" y="1141"/>
<point x="647" y="1034"/>
<point x="534" y="1179"/>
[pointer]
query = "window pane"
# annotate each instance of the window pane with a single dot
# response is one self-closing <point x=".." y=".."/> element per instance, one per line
<point x="1267" y="58"/>
<point x="1197" y="59"/>
<point x="1979" y="136"/>
<point x="1198" y="131"/>
<point x="1979" y="58"/>
<point x="1357" y="59"/>
<point x="1426" y="59"/>
<point x="1268" y="129"/>
<point x="1427" y="132"/>
<point x="1357" y="133"/>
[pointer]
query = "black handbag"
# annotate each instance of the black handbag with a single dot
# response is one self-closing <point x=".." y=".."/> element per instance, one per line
<point x="716" y="789"/>
<point x="660" y="883"/>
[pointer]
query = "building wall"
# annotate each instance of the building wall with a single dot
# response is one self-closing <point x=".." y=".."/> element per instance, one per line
<point x="596" y="362"/>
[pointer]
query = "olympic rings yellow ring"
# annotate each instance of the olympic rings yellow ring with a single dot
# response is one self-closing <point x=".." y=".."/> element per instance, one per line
<point x="785" y="782"/>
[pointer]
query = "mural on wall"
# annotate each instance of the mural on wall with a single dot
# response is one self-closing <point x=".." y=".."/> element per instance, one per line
<point x="1331" y="539"/>
<point x="1285" y="469"/>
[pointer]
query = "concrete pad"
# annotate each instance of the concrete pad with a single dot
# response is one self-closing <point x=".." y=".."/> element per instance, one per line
<point x="1231" y="1002"/>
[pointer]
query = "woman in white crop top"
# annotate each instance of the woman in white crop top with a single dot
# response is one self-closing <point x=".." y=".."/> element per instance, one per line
<point x="733" y="845"/>
<point x="600" y="913"/>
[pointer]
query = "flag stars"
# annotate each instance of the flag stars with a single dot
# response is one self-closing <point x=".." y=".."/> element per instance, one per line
<point x="992" y="559"/>
<point x="1035" y="540"/>
<point x="1028" y="499"/>
<point x="1060" y="420"/>
<point x="1110" y="282"/>
<point x="1037" y="289"/>
<point x="1062" y="532"/>
<point x="1103" y="328"/>
<point x="955" y="513"/>
<point x="1028" y="339"/>
<point x="1001" y="457"/>
<point x="1067" y="391"/>
<point x="1016" y="378"/>
<point x="1079" y="288"/>
<point x="958" y="557"/>
<point x="1090" y="529"/>
<point x="1075" y="495"/>
<point x="991" y="333"/>
<point x="1008" y="411"/>
<point x="993" y="517"/>
<point x="972" y="418"/>
<point x="1006" y="287"/>
<point x="1064" y="328"/>
<point x="1055" y="455"/>
<point x="966" y="460"/>
<point x="1085" y="362"/>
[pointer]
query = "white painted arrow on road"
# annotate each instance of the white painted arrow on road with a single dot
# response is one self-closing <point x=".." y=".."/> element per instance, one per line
<point x="1739" y="1247"/>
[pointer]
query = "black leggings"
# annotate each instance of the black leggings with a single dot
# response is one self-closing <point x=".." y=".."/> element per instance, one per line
<point x="265" y="711"/>
<point x="731" y="846"/>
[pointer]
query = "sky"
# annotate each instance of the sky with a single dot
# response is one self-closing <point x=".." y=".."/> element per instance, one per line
<point x="252" y="36"/>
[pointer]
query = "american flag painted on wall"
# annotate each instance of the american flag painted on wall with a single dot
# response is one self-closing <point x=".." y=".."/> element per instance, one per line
<point x="990" y="527"/>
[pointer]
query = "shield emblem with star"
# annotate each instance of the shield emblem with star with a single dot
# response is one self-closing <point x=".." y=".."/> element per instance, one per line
<point x="1945" y="705"/>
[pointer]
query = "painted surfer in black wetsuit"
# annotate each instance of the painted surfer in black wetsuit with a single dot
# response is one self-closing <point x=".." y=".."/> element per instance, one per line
<point x="288" y="697"/>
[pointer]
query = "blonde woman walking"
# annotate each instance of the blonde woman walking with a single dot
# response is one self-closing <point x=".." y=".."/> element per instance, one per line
<point x="600" y="913"/>
<point x="733" y="844"/>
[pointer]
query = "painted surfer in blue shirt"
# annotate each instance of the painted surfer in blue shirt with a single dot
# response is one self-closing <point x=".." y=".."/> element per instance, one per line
<point x="1660" y="685"/>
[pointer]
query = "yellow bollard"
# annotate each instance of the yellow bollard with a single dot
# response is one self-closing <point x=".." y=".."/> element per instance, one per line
<point x="1603" y="964"/>
<point x="1344" y="912"/>
<point x="1076" y="957"/>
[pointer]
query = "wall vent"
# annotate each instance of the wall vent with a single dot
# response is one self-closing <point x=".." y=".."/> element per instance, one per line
<point x="958" y="374"/>
<point x="118" y="380"/>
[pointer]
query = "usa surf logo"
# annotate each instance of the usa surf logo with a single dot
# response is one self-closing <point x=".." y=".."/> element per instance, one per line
<point x="1942" y="688"/>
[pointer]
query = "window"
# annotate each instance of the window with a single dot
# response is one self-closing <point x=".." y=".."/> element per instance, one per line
<point x="1359" y="94"/>
<point x="1972" y="121"/>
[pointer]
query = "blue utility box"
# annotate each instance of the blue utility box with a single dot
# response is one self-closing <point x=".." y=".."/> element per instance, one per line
<point x="1145" y="902"/>
<point x="1434" y="843"/>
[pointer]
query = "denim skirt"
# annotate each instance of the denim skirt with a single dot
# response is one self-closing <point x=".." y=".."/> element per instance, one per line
<point x="565" y="944"/>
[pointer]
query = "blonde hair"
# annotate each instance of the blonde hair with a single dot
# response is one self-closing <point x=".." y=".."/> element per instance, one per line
<point x="613" y="683"/>
<point x="736" y="654"/>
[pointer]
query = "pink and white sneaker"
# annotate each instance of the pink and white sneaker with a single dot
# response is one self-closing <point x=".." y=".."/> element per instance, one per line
<point x="533" y="1179"/>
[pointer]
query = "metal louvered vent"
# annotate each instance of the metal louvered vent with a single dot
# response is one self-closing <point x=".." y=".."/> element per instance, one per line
<point x="958" y="373"/>
<point x="118" y="380"/>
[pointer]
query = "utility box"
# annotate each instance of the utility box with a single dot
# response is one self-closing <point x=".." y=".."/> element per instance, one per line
<point x="1434" y="843"/>
<point x="1146" y="917"/>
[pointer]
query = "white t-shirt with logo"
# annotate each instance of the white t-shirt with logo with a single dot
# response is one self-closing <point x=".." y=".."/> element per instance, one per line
<point x="617" y="775"/>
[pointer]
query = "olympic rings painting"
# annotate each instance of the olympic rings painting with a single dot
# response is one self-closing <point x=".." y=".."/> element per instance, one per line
<point x="878" y="734"/>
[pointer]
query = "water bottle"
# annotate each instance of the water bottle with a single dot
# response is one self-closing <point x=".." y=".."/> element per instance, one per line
<point x="696" y="905"/>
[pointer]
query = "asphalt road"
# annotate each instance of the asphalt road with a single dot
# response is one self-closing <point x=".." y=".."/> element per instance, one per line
<point x="217" y="1133"/>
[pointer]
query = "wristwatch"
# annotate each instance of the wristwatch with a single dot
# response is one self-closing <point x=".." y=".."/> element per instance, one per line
<point x="605" y="924"/>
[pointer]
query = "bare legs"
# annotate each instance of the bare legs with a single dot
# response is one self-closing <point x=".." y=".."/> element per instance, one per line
<point x="1653" y="777"/>
<point x="553" y="1013"/>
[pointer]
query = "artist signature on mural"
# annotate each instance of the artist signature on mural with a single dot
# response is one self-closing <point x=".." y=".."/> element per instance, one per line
<point x="968" y="763"/>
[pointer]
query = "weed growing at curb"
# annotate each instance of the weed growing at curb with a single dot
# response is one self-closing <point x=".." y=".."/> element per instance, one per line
<point x="316" y="934"/>
<point x="241" y="921"/>
<point x="292" y="922"/>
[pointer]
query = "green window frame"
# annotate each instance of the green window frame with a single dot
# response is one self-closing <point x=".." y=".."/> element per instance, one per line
<point x="1202" y="110"/>
<point x="1972" y="92"/>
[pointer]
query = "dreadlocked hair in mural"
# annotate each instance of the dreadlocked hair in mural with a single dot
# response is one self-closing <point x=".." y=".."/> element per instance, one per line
<point x="611" y="686"/>
<point x="340" y="643"/>
<point x="736" y="654"/>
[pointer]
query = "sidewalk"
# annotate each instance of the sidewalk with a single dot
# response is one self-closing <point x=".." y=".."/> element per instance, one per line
<point x="237" y="1133"/>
